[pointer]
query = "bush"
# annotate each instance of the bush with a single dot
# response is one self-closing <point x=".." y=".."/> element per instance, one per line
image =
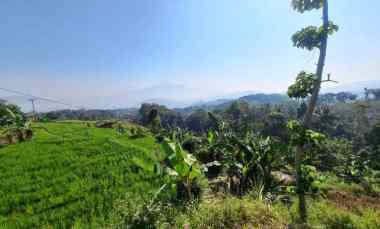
<point x="137" y="132"/>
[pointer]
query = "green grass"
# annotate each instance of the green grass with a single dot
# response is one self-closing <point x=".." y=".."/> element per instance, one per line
<point x="230" y="212"/>
<point x="71" y="175"/>
<point x="325" y="214"/>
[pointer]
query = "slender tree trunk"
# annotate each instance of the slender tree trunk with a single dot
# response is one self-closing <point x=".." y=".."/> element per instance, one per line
<point x="300" y="189"/>
<point x="320" y="66"/>
<point x="309" y="113"/>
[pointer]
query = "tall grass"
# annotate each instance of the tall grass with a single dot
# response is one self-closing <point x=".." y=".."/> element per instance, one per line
<point x="229" y="212"/>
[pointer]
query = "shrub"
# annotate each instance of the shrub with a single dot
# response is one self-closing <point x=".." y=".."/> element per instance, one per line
<point x="137" y="132"/>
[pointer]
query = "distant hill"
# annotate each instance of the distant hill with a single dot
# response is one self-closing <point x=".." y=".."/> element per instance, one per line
<point x="262" y="98"/>
<point x="208" y="106"/>
<point x="172" y="96"/>
<point x="170" y="103"/>
<point x="211" y="103"/>
<point x="278" y="98"/>
<point x="254" y="99"/>
<point x="356" y="87"/>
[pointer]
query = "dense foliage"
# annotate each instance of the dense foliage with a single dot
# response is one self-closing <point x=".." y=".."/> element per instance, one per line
<point x="311" y="36"/>
<point x="9" y="114"/>
<point x="168" y="118"/>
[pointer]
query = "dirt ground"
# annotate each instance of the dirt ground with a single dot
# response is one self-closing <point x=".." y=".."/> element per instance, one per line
<point x="352" y="201"/>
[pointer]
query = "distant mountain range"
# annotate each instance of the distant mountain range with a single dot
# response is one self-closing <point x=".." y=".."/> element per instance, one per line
<point x="278" y="98"/>
<point x="356" y="87"/>
<point x="191" y="102"/>
<point x="254" y="99"/>
<point x="180" y="97"/>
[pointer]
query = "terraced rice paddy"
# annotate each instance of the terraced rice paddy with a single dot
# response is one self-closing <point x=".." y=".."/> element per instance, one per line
<point x="72" y="174"/>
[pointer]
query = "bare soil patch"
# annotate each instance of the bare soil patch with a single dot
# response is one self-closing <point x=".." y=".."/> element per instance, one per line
<point x="353" y="201"/>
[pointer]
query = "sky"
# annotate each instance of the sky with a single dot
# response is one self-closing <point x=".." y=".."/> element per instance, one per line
<point x="118" y="53"/>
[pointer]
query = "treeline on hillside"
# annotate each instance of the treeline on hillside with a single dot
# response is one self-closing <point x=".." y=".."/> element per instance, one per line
<point x="177" y="116"/>
<point x="262" y="99"/>
<point x="240" y="113"/>
<point x="337" y="115"/>
<point x="350" y="126"/>
<point x="259" y="107"/>
<point x="341" y="97"/>
<point x="90" y="115"/>
<point x="257" y="99"/>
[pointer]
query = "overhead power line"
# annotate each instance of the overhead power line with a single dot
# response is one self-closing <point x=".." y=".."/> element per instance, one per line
<point x="34" y="98"/>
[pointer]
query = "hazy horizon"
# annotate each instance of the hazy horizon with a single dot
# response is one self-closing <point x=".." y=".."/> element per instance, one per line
<point x="108" y="54"/>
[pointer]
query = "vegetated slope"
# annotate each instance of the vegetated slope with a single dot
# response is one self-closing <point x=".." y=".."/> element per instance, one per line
<point x="73" y="175"/>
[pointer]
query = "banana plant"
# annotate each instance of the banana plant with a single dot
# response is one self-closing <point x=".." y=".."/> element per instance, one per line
<point x="258" y="157"/>
<point x="220" y="151"/>
<point x="182" y="166"/>
<point x="17" y="126"/>
<point x="14" y="119"/>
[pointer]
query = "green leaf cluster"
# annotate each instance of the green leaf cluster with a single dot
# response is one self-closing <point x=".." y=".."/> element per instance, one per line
<point x="11" y="115"/>
<point x="301" y="136"/>
<point x="310" y="179"/>
<point x="311" y="36"/>
<point x="303" y="86"/>
<point x="306" y="5"/>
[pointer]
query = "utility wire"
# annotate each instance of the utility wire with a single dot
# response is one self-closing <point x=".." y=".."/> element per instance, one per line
<point x="39" y="98"/>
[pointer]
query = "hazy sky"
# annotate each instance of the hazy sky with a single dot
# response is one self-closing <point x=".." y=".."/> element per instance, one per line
<point x="79" y="50"/>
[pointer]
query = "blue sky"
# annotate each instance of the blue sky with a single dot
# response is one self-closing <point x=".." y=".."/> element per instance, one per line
<point x="88" y="50"/>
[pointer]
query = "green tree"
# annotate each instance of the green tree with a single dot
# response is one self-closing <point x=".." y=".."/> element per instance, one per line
<point x="306" y="84"/>
<point x="154" y="121"/>
<point x="275" y="125"/>
<point x="237" y="115"/>
<point x="373" y="137"/>
<point x="198" y="121"/>
<point x="167" y="118"/>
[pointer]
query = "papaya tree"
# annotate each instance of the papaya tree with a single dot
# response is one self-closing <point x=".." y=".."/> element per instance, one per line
<point x="309" y="84"/>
